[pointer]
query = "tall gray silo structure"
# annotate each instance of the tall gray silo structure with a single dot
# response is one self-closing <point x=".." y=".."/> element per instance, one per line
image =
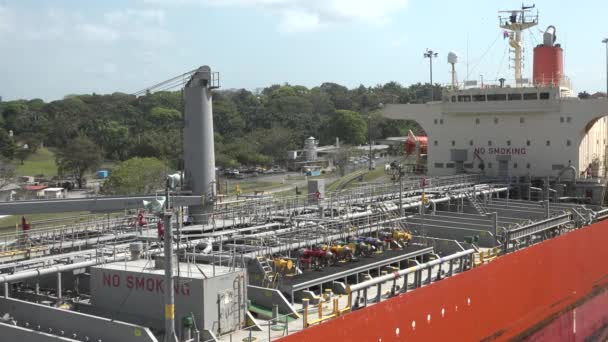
<point x="199" y="154"/>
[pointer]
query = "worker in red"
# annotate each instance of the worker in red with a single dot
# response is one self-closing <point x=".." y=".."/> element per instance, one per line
<point x="140" y="222"/>
<point x="25" y="227"/>
<point x="160" y="228"/>
<point x="317" y="196"/>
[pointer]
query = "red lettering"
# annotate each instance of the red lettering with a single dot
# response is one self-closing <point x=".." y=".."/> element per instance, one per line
<point x="107" y="279"/>
<point x="130" y="282"/>
<point x="186" y="289"/>
<point x="159" y="286"/>
<point x="150" y="285"/>
<point x="523" y="150"/>
<point x="140" y="283"/>
<point x="115" y="280"/>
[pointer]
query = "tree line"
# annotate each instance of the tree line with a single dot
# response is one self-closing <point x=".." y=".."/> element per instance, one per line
<point x="251" y="128"/>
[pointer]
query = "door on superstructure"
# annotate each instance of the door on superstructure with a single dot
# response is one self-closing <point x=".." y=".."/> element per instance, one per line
<point x="503" y="168"/>
<point x="228" y="311"/>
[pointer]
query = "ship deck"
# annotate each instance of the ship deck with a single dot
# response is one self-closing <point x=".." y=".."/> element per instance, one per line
<point x="341" y="271"/>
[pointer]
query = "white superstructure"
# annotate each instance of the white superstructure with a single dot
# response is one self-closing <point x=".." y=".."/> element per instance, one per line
<point x="534" y="129"/>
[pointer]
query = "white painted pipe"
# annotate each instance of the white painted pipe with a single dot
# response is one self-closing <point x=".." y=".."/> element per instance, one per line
<point x="61" y="268"/>
<point x="401" y="273"/>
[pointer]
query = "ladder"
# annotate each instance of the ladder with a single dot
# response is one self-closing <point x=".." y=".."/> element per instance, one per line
<point x="473" y="200"/>
<point x="268" y="274"/>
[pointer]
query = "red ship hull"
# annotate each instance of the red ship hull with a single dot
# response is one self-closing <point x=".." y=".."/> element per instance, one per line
<point x="552" y="291"/>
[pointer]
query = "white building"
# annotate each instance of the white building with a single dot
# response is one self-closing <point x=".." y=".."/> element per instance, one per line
<point x="534" y="129"/>
<point x="511" y="131"/>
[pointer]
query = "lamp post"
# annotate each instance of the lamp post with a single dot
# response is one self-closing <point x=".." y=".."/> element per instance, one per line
<point x="430" y="54"/>
<point x="605" y="41"/>
<point x="369" y="138"/>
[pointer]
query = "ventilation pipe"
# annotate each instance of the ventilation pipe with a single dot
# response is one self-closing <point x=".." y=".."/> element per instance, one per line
<point x="199" y="153"/>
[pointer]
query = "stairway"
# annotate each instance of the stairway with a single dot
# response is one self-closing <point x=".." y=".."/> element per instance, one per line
<point x="473" y="200"/>
<point x="269" y="276"/>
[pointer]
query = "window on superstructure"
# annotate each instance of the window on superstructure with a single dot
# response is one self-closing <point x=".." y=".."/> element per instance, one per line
<point x="464" y="98"/>
<point x="530" y="96"/>
<point x="508" y="142"/>
<point x="439" y="165"/>
<point x="441" y="121"/>
<point x="453" y="98"/>
<point x="496" y="121"/>
<point x="489" y="142"/>
<point x="489" y="165"/>
<point x="453" y="143"/>
<point x="568" y="119"/>
<point x="548" y="142"/>
<point x="468" y="165"/>
<point x="544" y="96"/>
<point x="521" y="120"/>
<point x="479" y="98"/>
<point x="470" y="142"/>
<point x="528" y="142"/>
<point x="477" y="121"/>
<point x="561" y="119"/>
<point x="528" y="166"/>
<point x="515" y="165"/>
<point x="514" y="97"/>
<point x="449" y="165"/>
<point x="497" y="97"/>
<point x="435" y="121"/>
<point x="435" y="143"/>
<point x="568" y="143"/>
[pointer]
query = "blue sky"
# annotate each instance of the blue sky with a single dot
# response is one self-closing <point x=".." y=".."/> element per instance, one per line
<point x="53" y="48"/>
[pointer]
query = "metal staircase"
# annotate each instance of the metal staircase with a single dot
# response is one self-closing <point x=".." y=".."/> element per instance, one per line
<point x="269" y="275"/>
<point x="473" y="200"/>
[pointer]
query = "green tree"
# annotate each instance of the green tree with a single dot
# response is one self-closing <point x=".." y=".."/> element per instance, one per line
<point x="7" y="147"/>
<point x="136" y="176"/>
<point x="349" y="127"/>
<point x="22" y="153"/>
<point x="7" y="172"/>
<point x="78" y="157"/>
<point x="165" y="116"/>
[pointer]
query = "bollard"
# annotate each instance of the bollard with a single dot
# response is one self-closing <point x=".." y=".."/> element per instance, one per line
<point x="275" y="313"/>
<point x="59" y="290"/>
<point x="305" y="314"/>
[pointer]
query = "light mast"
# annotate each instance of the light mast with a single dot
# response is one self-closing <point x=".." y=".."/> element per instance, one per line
<point x="514" y="24"/>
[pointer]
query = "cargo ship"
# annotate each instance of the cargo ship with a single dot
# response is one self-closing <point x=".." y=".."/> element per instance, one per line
<point x="529" y="132"/>
<point x="503" y="238"/>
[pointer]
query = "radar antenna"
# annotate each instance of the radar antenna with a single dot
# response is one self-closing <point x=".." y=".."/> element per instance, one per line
<point x="514" y="23"/>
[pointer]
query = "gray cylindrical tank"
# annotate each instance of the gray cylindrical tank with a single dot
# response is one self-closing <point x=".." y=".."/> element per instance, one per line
<point x="199" y="154"/>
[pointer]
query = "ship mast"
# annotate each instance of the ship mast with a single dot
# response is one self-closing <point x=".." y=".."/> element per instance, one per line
<point x="514" y="24"/>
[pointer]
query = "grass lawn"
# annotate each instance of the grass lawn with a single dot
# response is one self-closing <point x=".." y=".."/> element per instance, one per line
<point x="288" y="193"/>
<point x="7" y="224"/>
<point x="248" y="186"/>
<point x="40" y="163"/>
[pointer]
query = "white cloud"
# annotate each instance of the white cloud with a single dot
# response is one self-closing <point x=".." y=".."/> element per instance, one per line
<point x="144" y="26"/>
<point x="309" y="15"/>
<point x="153" y="16"/>
<point x="97" y="33"/>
